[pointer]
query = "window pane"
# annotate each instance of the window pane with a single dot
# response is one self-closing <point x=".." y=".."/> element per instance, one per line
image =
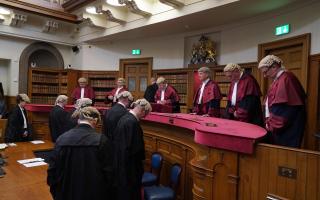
<point x="132" y="84"/>
<point x="143" y="84"/>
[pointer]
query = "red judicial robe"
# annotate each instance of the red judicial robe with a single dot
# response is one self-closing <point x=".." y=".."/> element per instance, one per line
<point x="210" y="103"/>
<point x="171" y="98"/>
<point x="286" y="103"/>
<point x="248" y="105"/>
<point x="113" y="93"/>
<point x="88" y="93"/>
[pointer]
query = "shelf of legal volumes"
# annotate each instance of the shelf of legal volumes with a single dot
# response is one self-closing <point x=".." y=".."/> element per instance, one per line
<point x="101" y="82"/>
<point x="45" y="84"/>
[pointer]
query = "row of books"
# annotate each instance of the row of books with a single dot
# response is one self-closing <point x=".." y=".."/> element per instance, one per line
<point x="64" y="89"/>
<point x="103" y="83"/>
<point x="172" y="81"/>
<point x="43" y="100"/>
<point x="183" y="98"/>
<point x="175" y="76"/>
<point x="46" y="78"/>
<point x="46" y="89"/>
<point x="181" y="88"/>
<point x="221" y="79"/>
<point x="100" y="94"/>
<point x="224" y="88"/>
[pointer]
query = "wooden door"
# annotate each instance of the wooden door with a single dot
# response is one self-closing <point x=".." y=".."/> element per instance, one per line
<point x="137" y="73"/>
<point x="294" y="52"/>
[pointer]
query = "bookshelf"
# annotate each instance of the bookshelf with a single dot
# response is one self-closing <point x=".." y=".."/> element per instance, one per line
<point x="45" y="84"/>
<point x="101" y="82"/>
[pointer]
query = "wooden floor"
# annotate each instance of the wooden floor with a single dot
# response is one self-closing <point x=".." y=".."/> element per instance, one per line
<point x="20" y="182"/>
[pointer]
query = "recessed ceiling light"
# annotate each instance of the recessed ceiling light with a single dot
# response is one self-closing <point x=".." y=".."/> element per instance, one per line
<point x="91" y="10"/>
<point x="4" y="11"/>
<point x="114" y="3"/>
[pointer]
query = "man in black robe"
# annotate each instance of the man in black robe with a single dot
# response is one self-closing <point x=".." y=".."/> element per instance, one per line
<point x="18" y="129"/>
<point x="59" y="118"/>
<point x="244" y="96"/>
<point x="113" y="115"/>
<point x="80" y="167"/>
<point x="129" y="152"/>
<point x="151" y="91"/>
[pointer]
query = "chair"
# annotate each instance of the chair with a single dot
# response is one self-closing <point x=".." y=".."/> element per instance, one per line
<point x="152" y="177"/>
<point x="162" y="192"/>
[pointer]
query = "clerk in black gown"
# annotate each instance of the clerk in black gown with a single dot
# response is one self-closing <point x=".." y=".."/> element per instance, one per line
<point x="18" y="129"/>
<point x="80" y="167"/>
<point x="59" y="121"/>
<point x="113" y="115"/>
<point x="129" y="152"/>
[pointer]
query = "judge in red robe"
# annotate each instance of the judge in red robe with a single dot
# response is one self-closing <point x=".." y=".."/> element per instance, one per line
<point x="111" y="97"/>
<point x="284" y="104"/>
<point x="244" y="96"/>
<point x="167" y="95"/>
<point x="206" y="101"/>
<point x="83" y="91"/>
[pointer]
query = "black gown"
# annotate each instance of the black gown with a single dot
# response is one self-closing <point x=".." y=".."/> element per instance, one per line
<point x="58" y="122"/>
<point x="129" y="156"/>
<point x="151" y="92"/>
<point x="111" y="119"/>
<point x="80" y="167"/>
<point x="15" y="130"/>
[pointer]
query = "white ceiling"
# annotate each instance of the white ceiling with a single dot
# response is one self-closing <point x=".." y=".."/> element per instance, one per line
<point x="207" y="19"/>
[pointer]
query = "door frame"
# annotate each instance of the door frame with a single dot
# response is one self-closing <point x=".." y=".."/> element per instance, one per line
<point x="303" y="40"/>
<point x="125" y="61"/>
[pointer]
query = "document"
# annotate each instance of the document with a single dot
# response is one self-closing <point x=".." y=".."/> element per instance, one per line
<point x="37" y="142"/>
<point x="3" y="146"/>
<point x="33" y="162"/>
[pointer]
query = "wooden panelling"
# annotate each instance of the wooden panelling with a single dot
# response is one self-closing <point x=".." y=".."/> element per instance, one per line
<point x="259" y="174"/>
<point x="310" y="141"/>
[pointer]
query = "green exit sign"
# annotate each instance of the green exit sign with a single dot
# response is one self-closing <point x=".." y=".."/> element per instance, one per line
<point x="284" y="29"/>
<point x="136" y="52"/>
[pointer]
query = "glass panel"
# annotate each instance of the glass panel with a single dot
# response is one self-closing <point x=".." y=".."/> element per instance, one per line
<point x="143" y="84"/>
<point x="132" y="84"/>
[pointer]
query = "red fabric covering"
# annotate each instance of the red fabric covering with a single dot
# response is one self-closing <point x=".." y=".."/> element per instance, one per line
<point x="247" y="85"/>
<point x="47" y="108"/>
<point x="286" y="89"/>
<point x="170" y="95"/>
<point x="215" y="132"/>
<point x="161" y="108"/>
<point x="88" y="93"/>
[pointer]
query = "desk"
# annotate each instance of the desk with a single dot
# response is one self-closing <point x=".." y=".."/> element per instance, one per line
<point x="20" y="182"/>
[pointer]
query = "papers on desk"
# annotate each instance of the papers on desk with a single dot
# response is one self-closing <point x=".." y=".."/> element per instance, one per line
<point x="33" y="162"/>
<point x="37" y="142"/>
<point x="12" y="144"/>
<point x="3" y="146"/>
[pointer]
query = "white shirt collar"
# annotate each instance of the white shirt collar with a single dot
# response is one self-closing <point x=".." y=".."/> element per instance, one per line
<point x="206" y="81"/>
<point x="279" y="74"/>
<point x="134" y="114"/>
<point x="122" y="104"/>
<point x="84" y="122"/>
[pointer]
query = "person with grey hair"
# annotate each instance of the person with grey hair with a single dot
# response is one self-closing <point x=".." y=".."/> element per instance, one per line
<point x="81" y="164"/>
<point x="83" y="91"/>
<point x="58" y="118"/>
<point x="167" y="95"/>
<point x="244" y="96"/>
<point x="285" y="113"/>
<point x="113" y="115"/>
<point x="18" y="129"/>
<point x="207" y="98"/>
<point x="111" y="96"/>
<point x="74" y="113"/>
<point x="129" y="152"/>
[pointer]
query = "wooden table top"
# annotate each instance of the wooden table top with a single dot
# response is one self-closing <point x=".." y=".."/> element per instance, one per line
<point x="21" y="182"/>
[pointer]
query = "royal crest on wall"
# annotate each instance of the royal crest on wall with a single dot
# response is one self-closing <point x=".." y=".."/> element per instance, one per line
<point x="203" y="51"/>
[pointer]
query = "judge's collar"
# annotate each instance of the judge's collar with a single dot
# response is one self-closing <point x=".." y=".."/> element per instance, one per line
<point x="206" y="81"/>
<point x="85" y="122"/>
<point x="134" y="114"/>
<point x="280" y="72"/>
